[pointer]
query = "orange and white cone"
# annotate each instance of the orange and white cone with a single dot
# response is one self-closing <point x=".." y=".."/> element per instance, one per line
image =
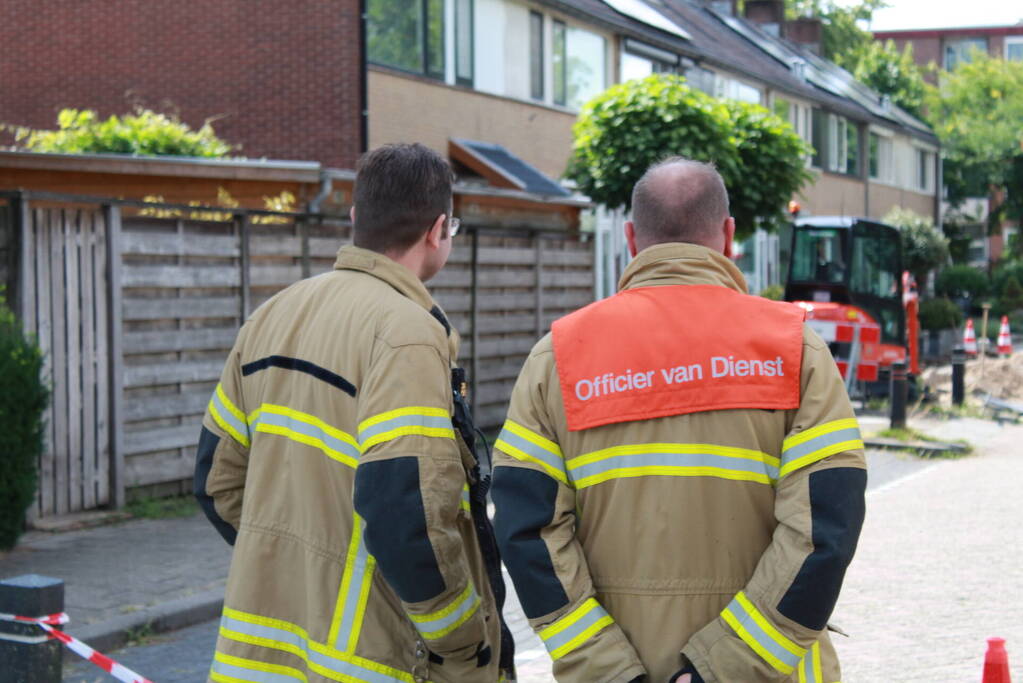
<point x="996" y="662"/>
<point x="1004" y="338"/>
<point x="970" y="339"/>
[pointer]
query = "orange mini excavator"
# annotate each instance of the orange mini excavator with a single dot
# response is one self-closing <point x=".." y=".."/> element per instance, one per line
<point x="847" y="274"/>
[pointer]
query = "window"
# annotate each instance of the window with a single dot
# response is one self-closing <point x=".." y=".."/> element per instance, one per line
<point x="796" y="114"/>
<point x="406" y="35"/>
<point x="578" y="60"/>
<point x="536" y="55"/>
<point x="463" y="42"/>
<point x="958" y="51"/>
<point x="1014" y="48"/>
<point x="729" y="88"/>
<point x="558" y="63"/>
<point x="881" y="166"/>
<point x="700" y="78"/>
<point x="836" y="143"/>
<point x="924" y="172"/>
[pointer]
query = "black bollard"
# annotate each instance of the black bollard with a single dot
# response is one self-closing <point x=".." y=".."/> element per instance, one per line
<point x="958" y="376"/>
<point x="27" y="653"/>
<point x="899" y="390"/>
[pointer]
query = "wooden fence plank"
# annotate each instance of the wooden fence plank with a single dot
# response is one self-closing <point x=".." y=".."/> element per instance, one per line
<point x="171" y="405"/>
<point x="115" y="280"/>
<point x="174" y="276"/>
<point x="179" y="340"/>
<point x="275" y="276"/>
<point x="59" y="311"/>
<point x="163" y="438"/>
<point x="41" y="220"/>
<point x="101" y="285"/>
<point x="244" y="265"/>
<point x="26" y="266"/>
<point x="161" y="244"/>
<point x="188" y="308"/>
<point x="73" y="301"/>
<point x="142" y="470"/>
<point x="88" y="294"/>
<point x="173" y="373"/>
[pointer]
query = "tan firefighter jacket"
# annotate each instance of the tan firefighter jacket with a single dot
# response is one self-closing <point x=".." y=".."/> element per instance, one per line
<point x="329" y="458"/>
<point x="625" y="568"/>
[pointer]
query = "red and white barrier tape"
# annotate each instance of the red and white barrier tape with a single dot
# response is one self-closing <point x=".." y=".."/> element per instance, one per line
<point x="118" y="671"/>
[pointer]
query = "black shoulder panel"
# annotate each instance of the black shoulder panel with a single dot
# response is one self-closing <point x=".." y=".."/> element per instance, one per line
<point x="388" y="497"/>
<point x="208" y="442"/>
<point x="299" y="365"/>
<point x="837" y="508"/>
<point x="525" y="500"/>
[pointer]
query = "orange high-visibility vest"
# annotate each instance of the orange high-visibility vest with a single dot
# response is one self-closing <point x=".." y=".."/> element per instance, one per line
<point x="670" y="350"/>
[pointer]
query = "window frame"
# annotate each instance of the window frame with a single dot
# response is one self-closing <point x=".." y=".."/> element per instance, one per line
<point x="537" y="72"/>
<point x="460" y="79"/>
<point x="1012" y="41"/>
<point x="426" y="69"/>
<point x="559" y="62"/>
<point x="959" y="58"/>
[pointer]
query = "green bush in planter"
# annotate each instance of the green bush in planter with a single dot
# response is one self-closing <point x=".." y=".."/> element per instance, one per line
<point x="23" y="398"/>
<point x="939" y="314"/>
<point x="963" y="282"/>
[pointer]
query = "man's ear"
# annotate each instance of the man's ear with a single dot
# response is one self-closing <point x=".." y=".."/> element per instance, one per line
<point x="435" y="235"/>
<point x="351" y="214"/>
<point x="729" y="230"/>
<point x="630" y="238"/>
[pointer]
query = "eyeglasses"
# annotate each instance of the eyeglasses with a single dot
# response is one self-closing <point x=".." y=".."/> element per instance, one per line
<point x="453" y="225"/>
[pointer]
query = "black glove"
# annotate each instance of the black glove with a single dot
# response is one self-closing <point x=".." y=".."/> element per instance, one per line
<point x="689" y="669"/>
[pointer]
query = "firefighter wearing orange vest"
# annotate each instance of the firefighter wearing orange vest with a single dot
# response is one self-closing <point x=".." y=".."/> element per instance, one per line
<point x="680" y="481"/>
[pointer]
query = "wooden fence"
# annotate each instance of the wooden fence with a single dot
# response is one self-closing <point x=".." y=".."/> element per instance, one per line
<point x="136" y="314"/>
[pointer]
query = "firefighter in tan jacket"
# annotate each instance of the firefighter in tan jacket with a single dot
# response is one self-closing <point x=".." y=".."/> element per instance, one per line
<point x="679" y="484"/>
<point x="332" y="457"/>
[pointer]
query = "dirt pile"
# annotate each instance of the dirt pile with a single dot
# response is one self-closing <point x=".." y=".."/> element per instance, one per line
<point x="1001" y="377"/>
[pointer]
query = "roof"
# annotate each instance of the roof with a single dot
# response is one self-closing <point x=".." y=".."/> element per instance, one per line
<point x="733" y="44"/>
<point x="502" y="168"/>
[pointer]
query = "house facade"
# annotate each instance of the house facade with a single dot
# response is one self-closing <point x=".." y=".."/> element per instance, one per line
<point x="516" y="73"/>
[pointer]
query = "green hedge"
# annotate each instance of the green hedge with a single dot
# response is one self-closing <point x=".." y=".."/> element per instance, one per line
<point x="23" y="398"/>
<point x="939" y="314"/>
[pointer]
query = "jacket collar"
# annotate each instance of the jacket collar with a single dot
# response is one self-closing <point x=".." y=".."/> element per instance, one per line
<point x="350" y="257"/>
<point x="677" y="263"/>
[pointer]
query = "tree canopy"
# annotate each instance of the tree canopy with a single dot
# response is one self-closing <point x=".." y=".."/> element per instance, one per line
<point x="143" y="132"/>
<point x="924" y="247"/>
<point x="630" y="126"/>
<point x="890" y="72"/>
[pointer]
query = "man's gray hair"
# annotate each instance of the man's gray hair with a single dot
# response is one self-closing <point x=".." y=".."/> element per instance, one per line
<point x="679" y="200"/>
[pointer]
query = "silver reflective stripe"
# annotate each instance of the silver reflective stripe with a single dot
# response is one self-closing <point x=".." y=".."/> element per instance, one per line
<point x="595" y="614"/>
<point x="429" y="421"/>
<point x="254" y="675"/>
<point x="311" y="430"/>
<point x="351" y="603"/>
<point x="334" y="664"/>
<point x="763" y="639"/>
<point x="637" y="460"/>
<point x="439" y="627"/>
<point x="531" y="449"/>
<point x="806" y="670"/>
<point x="227" y="416"/>
<point x="817" y="443"/>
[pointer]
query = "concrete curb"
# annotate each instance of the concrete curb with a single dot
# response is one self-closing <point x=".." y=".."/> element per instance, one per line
<point x="168" y="616"/>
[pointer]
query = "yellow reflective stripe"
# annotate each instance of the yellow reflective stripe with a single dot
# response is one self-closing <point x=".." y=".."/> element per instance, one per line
<point x="314" y="437"/>
<point x="819" y="430"/>
<point x="817" y="672"/>
<point x="464" y="501"/>
<point x="243" y="663"/>
<point x="768" y="627"/>
<point x="629" y="472"/>
<point x="701" y="448"/>
<point x="346" y="580"/>
<point x="428" y="411"/>
<point x="450" y="617"/>
<point x="233" y="422"/>
<point x="533" y="437"/>
<point x="232" y="408"/>
<point x="840" y="447"/>
<point x="360" y="606"/>
<point x="409" y="430"/>
<point x="755" y="645"/>
<point x="575" y="628"/>
<point x="320" y="648"/>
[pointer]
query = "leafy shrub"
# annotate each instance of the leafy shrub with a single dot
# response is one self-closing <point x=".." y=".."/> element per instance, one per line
<point x="939" y="314"/>
<point x="143" y="132"/>
<point x="1010" y="270"/>
<point x="773" y="292"/>
<point x="23" y="398"/>
<point x="1011" y="298"/>
<point x="962" y="282"/>
<point x="630" y="126"/>
<point x="924" y="246"/>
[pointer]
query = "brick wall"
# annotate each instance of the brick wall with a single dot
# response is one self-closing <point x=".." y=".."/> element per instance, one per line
<point x="282" y="76"/>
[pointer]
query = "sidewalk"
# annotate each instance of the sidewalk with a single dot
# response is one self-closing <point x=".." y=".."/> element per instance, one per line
<point x="939" y="569"/>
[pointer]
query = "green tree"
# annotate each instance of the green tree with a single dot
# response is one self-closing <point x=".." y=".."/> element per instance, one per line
<point x="23" y="398"/>
<point x="142" y="132"/>
<point x="843" y="37"/>
<point x="976" y="110"/>
<point x="630" y="126"/>
<point x="924" y="247"/>
<point x="1011" y="299"/>
<point x="892" y="73"/>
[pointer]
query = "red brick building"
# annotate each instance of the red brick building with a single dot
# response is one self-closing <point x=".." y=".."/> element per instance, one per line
<point x="281" y="78"/>
<point x="946" y="47"/>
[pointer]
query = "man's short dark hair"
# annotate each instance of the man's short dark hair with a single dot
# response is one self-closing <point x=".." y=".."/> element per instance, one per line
<point x="679" y="200"/>
<point x="399" y="192"/>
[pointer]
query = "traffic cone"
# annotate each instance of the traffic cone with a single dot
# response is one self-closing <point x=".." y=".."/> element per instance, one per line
<point x="1004" y="338"/>
<point x="970" y="339"/>
<point x="996" y="662"/>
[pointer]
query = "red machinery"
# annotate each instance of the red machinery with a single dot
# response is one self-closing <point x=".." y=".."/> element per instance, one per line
<point x="846" y="273"/>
